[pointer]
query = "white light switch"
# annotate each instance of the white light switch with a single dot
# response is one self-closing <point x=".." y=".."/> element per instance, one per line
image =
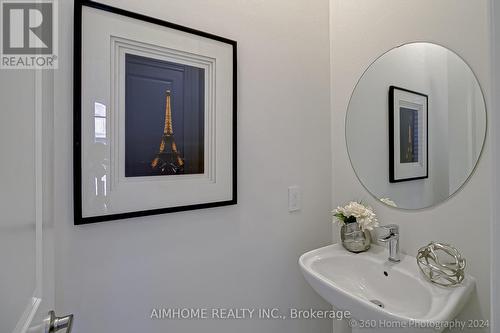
<point x="294" y="199"/>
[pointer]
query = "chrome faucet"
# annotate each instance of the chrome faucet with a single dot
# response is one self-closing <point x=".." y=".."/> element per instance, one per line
<point x="392" y="238"/>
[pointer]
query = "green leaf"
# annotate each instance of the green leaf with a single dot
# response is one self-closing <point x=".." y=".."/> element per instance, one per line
<point x="340" y="217"/>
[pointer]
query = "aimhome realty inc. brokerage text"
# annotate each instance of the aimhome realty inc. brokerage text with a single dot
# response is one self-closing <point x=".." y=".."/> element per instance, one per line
<point x="246" y="313"/>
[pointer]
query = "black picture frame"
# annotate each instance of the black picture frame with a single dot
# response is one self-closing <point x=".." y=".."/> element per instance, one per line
<point x="79" y="219"/>
<point x="392" y="138"/>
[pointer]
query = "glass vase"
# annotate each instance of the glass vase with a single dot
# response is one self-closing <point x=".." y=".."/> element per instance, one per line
<point x="354" y="239"/>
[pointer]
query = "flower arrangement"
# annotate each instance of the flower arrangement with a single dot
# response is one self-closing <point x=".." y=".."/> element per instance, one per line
<point x="355" y="212"/>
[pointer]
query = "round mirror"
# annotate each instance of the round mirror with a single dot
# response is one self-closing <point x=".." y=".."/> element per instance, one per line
<point x="416" y="125"/>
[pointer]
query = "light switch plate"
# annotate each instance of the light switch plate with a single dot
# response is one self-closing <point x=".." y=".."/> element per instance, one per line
<point x="294" y="199"/>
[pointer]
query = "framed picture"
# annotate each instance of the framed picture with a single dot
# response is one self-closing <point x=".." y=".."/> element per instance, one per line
<point x="408" y="135"/>
<point x="154" y="116"/>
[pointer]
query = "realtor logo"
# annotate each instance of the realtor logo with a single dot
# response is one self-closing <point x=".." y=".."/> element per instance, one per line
<point x="29" y="34"/>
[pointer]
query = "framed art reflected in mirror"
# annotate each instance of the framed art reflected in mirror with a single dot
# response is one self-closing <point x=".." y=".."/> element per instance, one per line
<point x="154" y="116"/>
<point x="408" y="135"/>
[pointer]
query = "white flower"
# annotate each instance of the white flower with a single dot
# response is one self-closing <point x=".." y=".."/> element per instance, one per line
<point x="389" y="202"/>
<point x="364" y="215"/>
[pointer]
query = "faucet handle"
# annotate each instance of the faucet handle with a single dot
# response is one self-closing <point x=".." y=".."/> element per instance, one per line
<point x="392" y="228"/>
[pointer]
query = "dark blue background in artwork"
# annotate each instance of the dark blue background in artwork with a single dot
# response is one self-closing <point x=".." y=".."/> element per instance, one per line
<point x="147" y="81"/>
<point x="408" y="118"/>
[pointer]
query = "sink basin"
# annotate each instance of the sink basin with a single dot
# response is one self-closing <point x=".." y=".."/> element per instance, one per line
<point x="373" y="289"/>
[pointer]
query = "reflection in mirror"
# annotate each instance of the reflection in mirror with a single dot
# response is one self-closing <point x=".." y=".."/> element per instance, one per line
<point x="100" y="122"/>
<point x="99" y="150"/>
<point x="416" y="125"/>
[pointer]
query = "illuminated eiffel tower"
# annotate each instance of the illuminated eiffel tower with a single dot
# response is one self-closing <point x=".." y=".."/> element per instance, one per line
<point x="168" y="161"/>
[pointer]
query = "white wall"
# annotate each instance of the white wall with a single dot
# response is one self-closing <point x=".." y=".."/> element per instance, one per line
<point x="111" y="275"/>
<point x="495" y="139"/>
<point x="18" y="195"/>
<point x="361" y="30"/>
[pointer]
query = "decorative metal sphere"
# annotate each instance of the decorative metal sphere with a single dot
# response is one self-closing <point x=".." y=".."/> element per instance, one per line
<point x="441" y="264"/>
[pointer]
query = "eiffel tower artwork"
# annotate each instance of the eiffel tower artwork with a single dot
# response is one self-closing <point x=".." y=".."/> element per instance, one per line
<point x="168" y="160"/>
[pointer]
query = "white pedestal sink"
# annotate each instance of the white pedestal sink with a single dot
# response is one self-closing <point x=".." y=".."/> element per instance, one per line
<point x="382" y="296"/>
